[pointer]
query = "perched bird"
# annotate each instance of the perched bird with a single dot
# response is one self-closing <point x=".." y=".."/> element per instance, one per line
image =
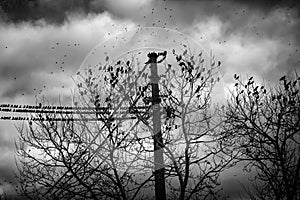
<point x="198" y="89"/>
<point x="282" y="78"/>
<point x="178" y="58"/>
<point x="236" y="76"/>
<point x="169" y="67"/>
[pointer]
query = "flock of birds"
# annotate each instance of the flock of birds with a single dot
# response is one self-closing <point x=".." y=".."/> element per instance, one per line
<point x="61" y="64"/>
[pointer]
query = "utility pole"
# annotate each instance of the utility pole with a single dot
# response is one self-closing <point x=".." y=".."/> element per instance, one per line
<point x="159" y="169"/>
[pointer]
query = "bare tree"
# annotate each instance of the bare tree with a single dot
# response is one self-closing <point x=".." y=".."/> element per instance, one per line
<point x="76" y="160"/>
<point x="108" y="152"/>
<point x="194" y="159"/>
<point x="262" y="124"/>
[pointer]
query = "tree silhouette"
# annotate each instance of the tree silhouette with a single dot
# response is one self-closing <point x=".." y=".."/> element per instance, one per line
<point x="262" y="124"/>
<point x="111" y="156"/>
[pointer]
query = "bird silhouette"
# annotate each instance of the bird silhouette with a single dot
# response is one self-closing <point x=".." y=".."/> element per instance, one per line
<point x="282" y="78"/>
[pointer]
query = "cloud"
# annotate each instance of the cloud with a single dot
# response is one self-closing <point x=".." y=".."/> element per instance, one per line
<point x="34" y="58"/>
<point x="7" y="146"/>
<point x="128" y="9"/>
<point x="57" y="12"/>
<point x="6" y="170"/>
<point x="51" y="11"/>
<point x="250" y="42"/>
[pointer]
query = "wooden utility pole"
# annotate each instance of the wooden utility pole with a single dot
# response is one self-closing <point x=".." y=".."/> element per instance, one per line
<point x="159" y="169"/>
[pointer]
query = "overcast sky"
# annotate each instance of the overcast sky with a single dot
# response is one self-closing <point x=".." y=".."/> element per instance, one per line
<point x="44" y="42"/>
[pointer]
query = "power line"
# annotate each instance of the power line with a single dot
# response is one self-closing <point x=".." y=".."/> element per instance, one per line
<point x="67" y="110"/>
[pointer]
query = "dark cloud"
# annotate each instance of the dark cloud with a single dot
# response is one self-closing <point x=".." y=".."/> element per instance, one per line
<point x="52" y="11"/>
<point x="265" y="5"/>
<point x="6" y="172"/>
<point x="268" y="5"/>
<point x="234" y="189"/>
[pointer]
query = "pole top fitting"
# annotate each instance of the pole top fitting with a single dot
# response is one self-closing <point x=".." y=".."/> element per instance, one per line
<point x="153" y="57"/>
